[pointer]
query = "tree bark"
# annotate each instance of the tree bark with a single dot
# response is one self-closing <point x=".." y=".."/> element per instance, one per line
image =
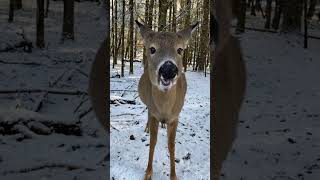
<point x="18" y="4"/>
<point x="11" y="11"/>
<point x="40" y="24"/>
<point x="174" y="12"/>
<point x="268" y="14"/>
<point x="163" y="8"/>
<point x="292" y="12"/>
<point x="242" y="17"/>
<point x="277" y="15"/>
<point x="47" y="8"/>
<point x="186" y="53"/>
<point x="68" y="20"/>
<point x="122" y="39"/>
<point x="131" y="44"/>
<point x="204" y="37"/>
<point x="115" y="55"/>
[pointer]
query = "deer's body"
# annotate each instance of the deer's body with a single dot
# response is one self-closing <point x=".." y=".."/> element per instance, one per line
<point x="228" y="86"/>
<point x="163" y="86"/>
<point x="164" y="106"/>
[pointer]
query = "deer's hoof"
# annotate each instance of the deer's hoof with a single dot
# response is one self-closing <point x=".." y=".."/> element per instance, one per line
<point x="173" y="177"/>
<point x="163" y="125"/>
<point x="148" y="176"/>
<point x="146" y="129"/>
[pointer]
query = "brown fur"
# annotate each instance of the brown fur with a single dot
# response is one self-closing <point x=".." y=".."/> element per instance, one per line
<point x="228" y="88"/>
<point x="163" y="106"/>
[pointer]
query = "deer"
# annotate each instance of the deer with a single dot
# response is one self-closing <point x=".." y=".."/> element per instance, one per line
<point x="163" y="86"/>
<point x="229" y="83"/>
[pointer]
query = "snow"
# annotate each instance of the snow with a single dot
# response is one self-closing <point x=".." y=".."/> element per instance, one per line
<point x="278" y="136"/>
<point x="129" y="157"/>
<point x="54" y="143"/>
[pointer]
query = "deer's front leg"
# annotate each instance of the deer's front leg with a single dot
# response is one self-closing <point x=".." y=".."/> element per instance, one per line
<point x="153" y="127"/>
<point x="171" y="130"/>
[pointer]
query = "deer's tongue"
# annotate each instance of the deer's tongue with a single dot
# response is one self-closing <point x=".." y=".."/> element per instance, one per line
<point x="165" y="82"/>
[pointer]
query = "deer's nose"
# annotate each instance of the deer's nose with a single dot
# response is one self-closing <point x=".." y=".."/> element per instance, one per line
<point x="168" y="70"/>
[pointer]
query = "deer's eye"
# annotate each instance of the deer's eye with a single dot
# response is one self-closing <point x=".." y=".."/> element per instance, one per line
<point x="152" y="50"/>
<point x="180" y="50"/>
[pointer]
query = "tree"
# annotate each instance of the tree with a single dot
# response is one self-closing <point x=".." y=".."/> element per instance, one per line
<point x="277" y="14"/>
<point x="47" y="8"/>
<point x="204" y="37"/>
<point x="68" y="20"/>
<point x="131" y="43"/>
<point x="292" y="12"/>
<point x="163" y="9"/>
<point x="186" y="54"/>
<point x="18" y="4"/>
<point x="122" y="39"/>
<point x="174" y="11"/>
<point x="150" y="13"/>
<point x="268" y="14"/>
<point x="115" y="26"/>
<point x="312" y="8"/>
<point x="11" y="10"/>
<point x="242" y="17"/>
<point x="40" y="24"/>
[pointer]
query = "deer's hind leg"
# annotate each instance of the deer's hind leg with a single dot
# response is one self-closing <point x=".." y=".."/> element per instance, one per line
<point x="153" y="128"/>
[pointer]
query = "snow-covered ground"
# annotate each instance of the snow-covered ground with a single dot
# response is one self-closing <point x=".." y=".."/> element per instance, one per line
<point x="129" y="155"/>
<point x="279" y="133"/>
<point x="61" y="141"/>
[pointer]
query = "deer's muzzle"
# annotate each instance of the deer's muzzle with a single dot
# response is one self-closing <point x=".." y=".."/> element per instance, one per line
<point x="168" y="71"/>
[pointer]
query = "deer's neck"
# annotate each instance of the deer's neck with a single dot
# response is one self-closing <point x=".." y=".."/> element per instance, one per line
<point x="164" y="101"/>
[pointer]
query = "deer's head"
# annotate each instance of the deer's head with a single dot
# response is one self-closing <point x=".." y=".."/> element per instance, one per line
<point x="164" y="51"/>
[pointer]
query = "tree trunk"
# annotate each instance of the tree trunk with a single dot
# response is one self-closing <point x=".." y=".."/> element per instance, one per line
<point x="115" y="55"/>
<point x="242" y="17"/>
<point x="11" y="11"/>
<point x="204" y="37"/>
<point x="305" y="4"/>
<point x="312" y="8"/>
<point x="292" y="12"/>
<point x="18" y="4"/>
<point x="122" y="39"/>
<point x="47" y="8"/>
<point x="150" y="13"/>
<point x="163" y="8"/>
<point x="277" y="14"/>
<point x="131" y="44"/>
<point x="186" y="53"/>
<point x="268" y="14"/>
<point x="174" y="12"/>
<point x="40" y="23"/>
<point x="68" y="20"/>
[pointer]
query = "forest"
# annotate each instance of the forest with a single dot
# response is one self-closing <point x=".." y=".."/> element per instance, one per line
<point x="164" y="15"/>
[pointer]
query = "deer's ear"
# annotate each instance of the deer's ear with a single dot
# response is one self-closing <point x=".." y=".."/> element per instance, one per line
<point x="144" y="30"/>
<point x="187" y="32"/>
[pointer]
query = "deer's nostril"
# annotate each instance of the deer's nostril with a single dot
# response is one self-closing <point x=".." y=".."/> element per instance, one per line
<point x="168" y="70"/>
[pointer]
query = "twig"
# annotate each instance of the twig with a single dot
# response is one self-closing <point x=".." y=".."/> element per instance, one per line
<point x="51" y="91"/>
<point x="80" y="104"/>
<point x="40" y="167"/>
<point x="23" y="63"/>
<point x="84" y="113"/>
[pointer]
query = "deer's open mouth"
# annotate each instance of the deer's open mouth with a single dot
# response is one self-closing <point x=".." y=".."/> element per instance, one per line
<point x="165" y="82"/>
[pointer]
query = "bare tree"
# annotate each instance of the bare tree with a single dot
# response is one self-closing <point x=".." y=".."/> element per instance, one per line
<point x="40" y="23"/>
<point x="68" y="20"/>
<point x="204" y="37"/>
<point x="163" y="9"/>
<point x="131" y="44"/>
<point x="292" y="13"/>
<point x="268" y="14"/>
<point x="11" y="10"/>
<point x="122" y="39"/>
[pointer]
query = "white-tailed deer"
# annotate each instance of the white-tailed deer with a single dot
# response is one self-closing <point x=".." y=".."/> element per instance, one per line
<point x="228" y="87"/>
<point x="163" y="85"/>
